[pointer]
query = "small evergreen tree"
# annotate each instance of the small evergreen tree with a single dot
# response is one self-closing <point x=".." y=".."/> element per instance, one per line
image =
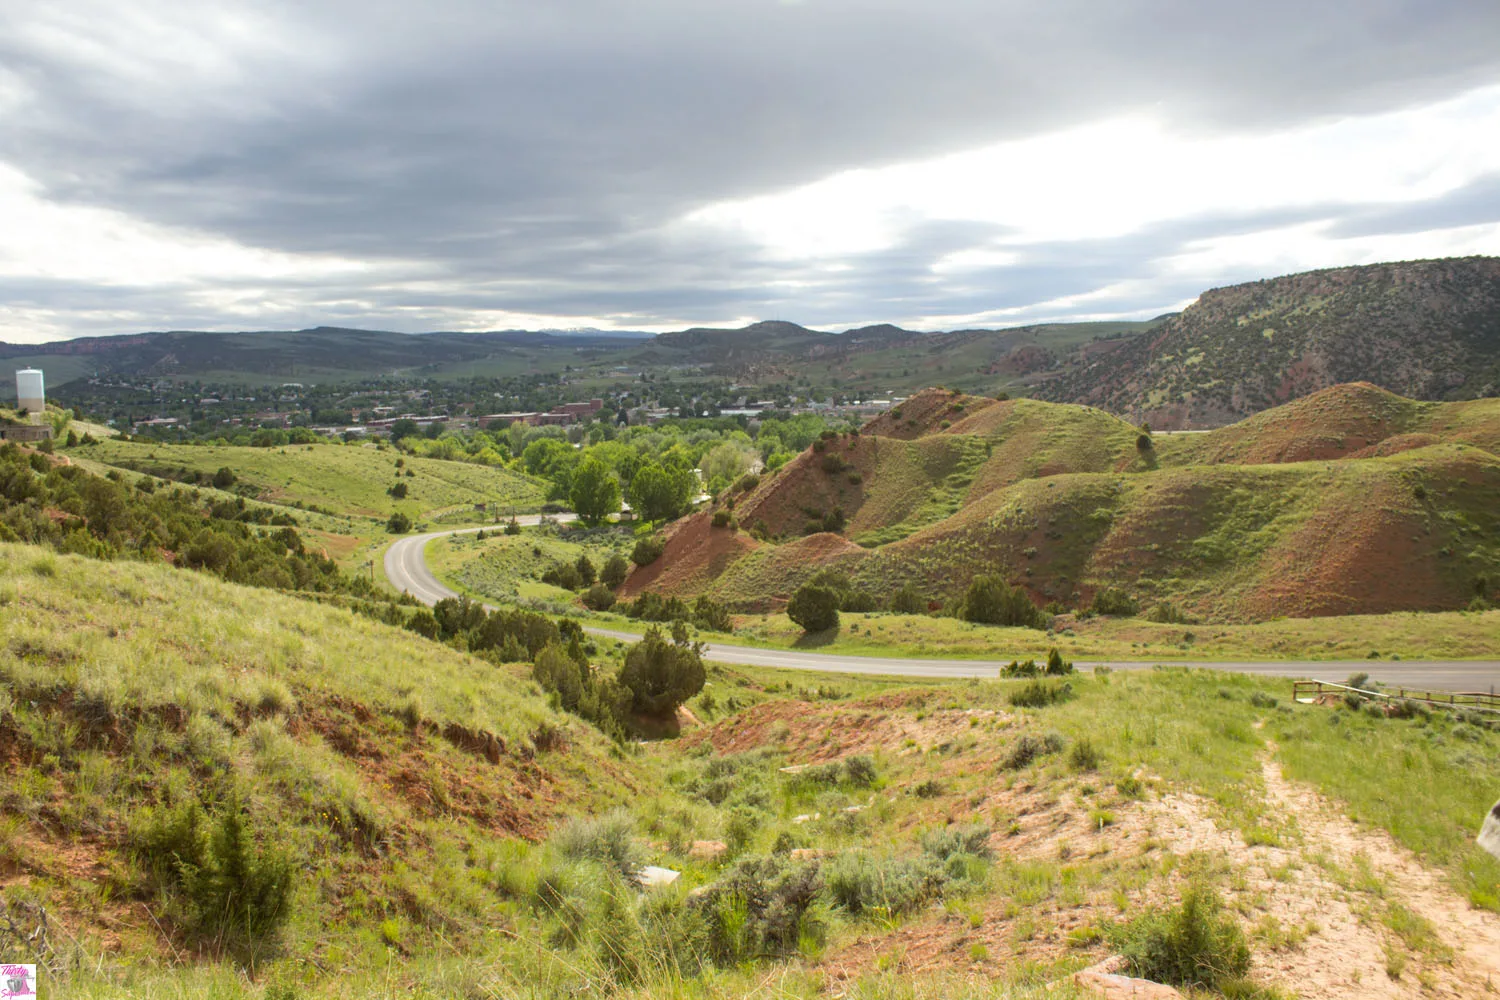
<point x="992" y="601"/>
<point x="814" y="607"/>
<point x="615" y="570"/>
<point x="586" y="571"/>
<point x="661" y="675"/>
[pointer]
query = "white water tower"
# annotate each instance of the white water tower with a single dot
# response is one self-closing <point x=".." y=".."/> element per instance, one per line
<point x="30" y="396"/>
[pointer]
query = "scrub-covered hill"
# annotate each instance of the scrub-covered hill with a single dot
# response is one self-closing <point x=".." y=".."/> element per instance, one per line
<point x="349" y="781"/>
<point x="354" y="479"/>
<point x="1352" y="501"/>
<point x="1427" y="329"/>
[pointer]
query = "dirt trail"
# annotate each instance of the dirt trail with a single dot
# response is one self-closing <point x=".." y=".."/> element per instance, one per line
<point x="1472" y="934"/>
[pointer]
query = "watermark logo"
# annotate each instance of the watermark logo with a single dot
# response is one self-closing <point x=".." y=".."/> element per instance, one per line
<point x="17" y="980"/>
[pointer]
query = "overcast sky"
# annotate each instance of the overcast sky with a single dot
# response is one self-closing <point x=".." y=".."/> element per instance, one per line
<point x="655" y="164"/>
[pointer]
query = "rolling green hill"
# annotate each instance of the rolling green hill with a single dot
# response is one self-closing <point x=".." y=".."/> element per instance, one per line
<point x="341" y="479"/>
<point x="886" y="357"/>
<point x="393" y="774"/>
<point x="1353" y="501"/>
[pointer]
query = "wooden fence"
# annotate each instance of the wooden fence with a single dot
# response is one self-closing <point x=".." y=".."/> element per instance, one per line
<point x="1310" y="692"/>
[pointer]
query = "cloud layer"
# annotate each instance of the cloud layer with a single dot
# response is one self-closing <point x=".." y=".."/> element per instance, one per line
<point x="663" y="163"/>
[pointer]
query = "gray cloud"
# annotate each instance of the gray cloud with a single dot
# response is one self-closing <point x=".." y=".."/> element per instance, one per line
<point x="526" y="157"/>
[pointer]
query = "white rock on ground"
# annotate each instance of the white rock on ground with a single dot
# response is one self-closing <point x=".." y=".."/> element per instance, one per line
<point x="652" y="877"/>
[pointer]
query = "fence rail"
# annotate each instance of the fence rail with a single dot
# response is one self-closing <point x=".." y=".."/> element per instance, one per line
<point x="1308" y="692"/>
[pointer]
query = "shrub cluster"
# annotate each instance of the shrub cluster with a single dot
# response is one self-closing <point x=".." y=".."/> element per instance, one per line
<point x="908" y="601"/>
<point x="218" y="878"/>
<point x="1029" y="748"/>
<point x="1039" y="695"/>
<point x="509" y="636"/>
<point x="761" y="907"/>
<point x="991" y="601"/>
<point x="704" y="612"/>
<point x="1055" y="666"/>
<point x="647" y="550"/>
<point x="1112" y="601"/>
<point x="73" y="511"/>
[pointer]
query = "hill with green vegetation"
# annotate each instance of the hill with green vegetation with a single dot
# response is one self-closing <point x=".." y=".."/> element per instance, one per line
<point x="323" y="353"/>
<point x="374" y="775"/>
<point x="353" y="480"/>
<point x="1424" y="329"/>
<point x="1352" y="501"/>
<point x="885" y="358"/>
<point x="215" y="790"/>
<point x="1358" y="420"/>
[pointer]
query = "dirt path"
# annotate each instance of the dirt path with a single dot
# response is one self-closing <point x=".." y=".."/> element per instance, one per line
<point x="1472" y="934"/>
<point x="1322" y="904"/>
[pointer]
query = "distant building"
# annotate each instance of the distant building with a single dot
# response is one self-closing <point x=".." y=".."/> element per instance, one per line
<point x="567" y="413"/>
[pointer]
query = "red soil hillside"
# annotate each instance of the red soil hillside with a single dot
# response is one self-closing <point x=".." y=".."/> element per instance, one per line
<point x="1333" y="423"/>
<point x="1339" y="422"/>
<point x="1412" y="532"/>
<point x="876" y="482"/>
<point x="1272" y="516"/>
<point x="696" y="553"/>
<point x="1029" y="439"/>
<point x="925" y="412"/>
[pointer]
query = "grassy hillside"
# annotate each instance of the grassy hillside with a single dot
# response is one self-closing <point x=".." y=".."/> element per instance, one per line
<point x="503" y="567"/>
<point x="129" y="692"/>
<point x="1425" y="329"/>
<point x="1344" y="421"/>
<point x="1351" y="501"/>
<point x="339" y="479"/>
<point x="443" y="832"/>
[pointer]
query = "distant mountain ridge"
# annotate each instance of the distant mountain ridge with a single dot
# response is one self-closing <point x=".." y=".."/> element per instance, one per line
<point x="1426" y="329"/>
<point x="1423" y="329"/>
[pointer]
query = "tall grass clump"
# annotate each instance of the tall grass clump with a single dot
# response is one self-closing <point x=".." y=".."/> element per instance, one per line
<point x="607" y="839"/>
<point x="861" y="883"/>
<point x="1195" y="944"/>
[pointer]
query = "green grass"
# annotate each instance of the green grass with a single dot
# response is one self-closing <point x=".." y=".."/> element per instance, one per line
<point x="1409" y="635"/>
<point x="346" y="480"/>
<point x="509" y="567"/>
<point x="427" y="870"/>
<point x="1428" y="781"/>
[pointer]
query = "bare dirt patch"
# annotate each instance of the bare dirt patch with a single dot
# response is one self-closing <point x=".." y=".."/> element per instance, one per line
<point x="811" y="732"/>
<point x="696" y="553"/>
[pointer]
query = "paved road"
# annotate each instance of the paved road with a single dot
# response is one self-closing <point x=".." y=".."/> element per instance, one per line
<point x="407" y="570"/>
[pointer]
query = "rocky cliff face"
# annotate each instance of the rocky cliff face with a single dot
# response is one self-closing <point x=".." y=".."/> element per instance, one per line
<point x="1424" y="329"/>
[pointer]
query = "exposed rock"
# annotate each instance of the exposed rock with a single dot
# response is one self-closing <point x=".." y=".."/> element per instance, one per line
<point x="651" y="877"/>
<point x="1425" y="329"/>
<point x="707" y="849"/>
<point x="1112" y="986"/>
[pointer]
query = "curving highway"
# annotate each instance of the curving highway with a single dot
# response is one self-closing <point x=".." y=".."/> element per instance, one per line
<point x="406" y="568"/>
